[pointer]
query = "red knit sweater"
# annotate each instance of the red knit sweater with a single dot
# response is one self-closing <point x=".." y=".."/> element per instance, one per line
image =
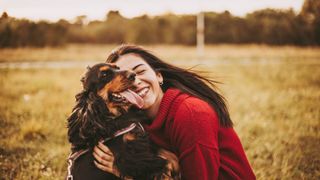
<point x="189" y="127"/>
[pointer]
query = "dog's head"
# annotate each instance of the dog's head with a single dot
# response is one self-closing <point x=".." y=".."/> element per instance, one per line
<point x="106" y="95"/>
<point x="112" y="85"/>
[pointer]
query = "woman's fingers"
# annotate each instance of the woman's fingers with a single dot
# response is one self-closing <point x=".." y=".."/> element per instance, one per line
<point x="104" y="160"/>
<point x="104" y="148"/>
<point x="103" y="155"/>
<point x="103" y="152"/>
<point x="109" y="168"/>
<point x="104" y="168"/>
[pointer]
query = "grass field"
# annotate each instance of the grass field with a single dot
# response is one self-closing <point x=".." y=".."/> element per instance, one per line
<point x="275" y="106"/>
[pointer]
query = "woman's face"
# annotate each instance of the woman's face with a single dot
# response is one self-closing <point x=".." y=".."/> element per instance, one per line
<point x="147" y="80"/>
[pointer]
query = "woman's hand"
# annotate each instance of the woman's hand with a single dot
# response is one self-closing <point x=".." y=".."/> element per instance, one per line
<point x="104" y="159"/>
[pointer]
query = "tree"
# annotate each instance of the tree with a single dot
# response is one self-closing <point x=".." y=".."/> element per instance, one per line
<point x="4" y="16"/>
<point x="272" y="26"/>
<point x="310" y="13"/>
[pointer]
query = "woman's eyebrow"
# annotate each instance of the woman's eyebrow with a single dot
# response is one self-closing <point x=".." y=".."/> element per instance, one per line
<point x="137" y="66"/>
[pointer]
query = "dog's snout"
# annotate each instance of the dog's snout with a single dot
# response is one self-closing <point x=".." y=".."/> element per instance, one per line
<point x="131" y="76"/>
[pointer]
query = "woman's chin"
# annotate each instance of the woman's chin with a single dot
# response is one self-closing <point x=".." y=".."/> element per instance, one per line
<point x="146" y="105"/>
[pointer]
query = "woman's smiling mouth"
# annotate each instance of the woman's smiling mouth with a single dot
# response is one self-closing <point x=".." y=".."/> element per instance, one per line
<point x="142" y="92"/>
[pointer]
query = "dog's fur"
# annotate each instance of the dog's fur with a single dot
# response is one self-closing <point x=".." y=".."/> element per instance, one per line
<point x="97" y="116"/>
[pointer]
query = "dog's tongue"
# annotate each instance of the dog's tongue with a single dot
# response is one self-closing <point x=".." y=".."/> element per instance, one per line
<point x="133" y="98"/>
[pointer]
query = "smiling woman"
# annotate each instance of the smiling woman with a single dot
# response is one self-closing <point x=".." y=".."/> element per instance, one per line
<point x="188" y="118"/>
<point x="147" y="81"/>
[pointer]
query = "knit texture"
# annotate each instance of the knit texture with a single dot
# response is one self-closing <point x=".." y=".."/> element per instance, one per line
<point x="189" y="127"/>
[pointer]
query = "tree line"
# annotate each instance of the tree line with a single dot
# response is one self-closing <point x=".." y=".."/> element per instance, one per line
<point x="266" y="26"/>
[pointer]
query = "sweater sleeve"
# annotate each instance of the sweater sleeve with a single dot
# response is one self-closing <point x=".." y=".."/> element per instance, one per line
<point x="194" y="134"/>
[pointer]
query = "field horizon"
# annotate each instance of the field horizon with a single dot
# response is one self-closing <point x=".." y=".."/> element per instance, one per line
<point x="219" y="52"/>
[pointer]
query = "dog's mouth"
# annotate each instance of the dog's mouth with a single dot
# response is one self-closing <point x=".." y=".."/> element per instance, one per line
<point x="127" y="96"/>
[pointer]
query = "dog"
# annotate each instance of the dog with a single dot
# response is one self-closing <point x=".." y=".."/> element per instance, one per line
<point x="106" y="109"/>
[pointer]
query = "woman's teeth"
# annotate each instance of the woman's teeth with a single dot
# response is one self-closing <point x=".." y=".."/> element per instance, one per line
<point x="143" y="92"/>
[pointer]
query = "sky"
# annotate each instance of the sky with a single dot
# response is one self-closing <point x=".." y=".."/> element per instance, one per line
<point x="54" y="10"/>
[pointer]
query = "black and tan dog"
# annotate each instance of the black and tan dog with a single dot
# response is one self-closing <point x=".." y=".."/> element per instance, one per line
<point x="106" y="109"/>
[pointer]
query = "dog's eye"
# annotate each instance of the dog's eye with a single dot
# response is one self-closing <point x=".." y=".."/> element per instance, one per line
<point x="106" y="73"/>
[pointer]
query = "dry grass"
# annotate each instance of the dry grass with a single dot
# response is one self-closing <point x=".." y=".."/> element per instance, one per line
<point x="275" y="108"/>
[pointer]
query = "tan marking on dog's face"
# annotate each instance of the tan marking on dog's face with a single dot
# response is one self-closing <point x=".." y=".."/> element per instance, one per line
<point x="113" y="110"/>
<point x="129" y="137"/>
<point x="113" y="65"/>
<point x="104" y="68"/>
<point x="113" y="86"/>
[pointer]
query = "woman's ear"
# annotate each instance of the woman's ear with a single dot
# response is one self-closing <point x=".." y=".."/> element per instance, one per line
<point x="159" y="77"/>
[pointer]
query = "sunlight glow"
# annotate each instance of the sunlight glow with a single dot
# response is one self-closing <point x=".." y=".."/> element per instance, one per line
<point x="97" y="9"/>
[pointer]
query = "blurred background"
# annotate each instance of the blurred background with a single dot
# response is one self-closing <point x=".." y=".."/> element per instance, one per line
<point x="289" y="26"/>
<point x="266" y="54"/>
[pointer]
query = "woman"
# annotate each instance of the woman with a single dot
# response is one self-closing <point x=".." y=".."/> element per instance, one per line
<point x="189" y="118"/>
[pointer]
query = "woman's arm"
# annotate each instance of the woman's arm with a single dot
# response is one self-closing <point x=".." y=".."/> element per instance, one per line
<point x="194" y="135"/>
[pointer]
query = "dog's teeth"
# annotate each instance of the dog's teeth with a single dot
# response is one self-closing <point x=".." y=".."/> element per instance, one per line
<point x="117" y="95"/>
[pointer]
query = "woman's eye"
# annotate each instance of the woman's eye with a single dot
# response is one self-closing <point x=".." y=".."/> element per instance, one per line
<point x="140" y="72"/>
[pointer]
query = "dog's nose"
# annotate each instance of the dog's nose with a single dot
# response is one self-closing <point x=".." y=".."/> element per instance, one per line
<point x="131" y="76"/>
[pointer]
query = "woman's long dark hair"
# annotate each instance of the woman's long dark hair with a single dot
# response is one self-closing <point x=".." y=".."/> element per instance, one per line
<point x="186" y="80"/>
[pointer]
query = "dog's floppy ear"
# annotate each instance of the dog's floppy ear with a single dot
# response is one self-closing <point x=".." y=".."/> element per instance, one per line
<point x="87" y="122"/>
<point x="84" y="78"/>
<point x="84" y="82"/>
<point x="75" y="120"/>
